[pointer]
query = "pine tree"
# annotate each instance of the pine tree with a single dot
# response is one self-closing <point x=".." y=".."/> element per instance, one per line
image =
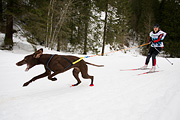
<point x="1" y="15"/>
<point x="145" y="15"/>
<point x="116" y="22"/>
<point x="33" y="21"/>
<point x="148" y="18"/>
<point x="121" y="24"/>
<point x="136" y="6"/>
<point x="8" y="40"/>
<point x="79" y="23"/>
<point x="171" y="25"/>
<point x="83" y="23"/>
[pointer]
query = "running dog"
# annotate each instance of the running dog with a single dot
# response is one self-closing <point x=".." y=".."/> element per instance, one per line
<point x="56" y="64"/>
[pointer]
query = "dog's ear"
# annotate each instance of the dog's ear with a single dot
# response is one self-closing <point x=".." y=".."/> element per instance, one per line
<point x="38" y="53"/>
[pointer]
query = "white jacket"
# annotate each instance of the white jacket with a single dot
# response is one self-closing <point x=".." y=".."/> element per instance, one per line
<point x="157" y="38"/>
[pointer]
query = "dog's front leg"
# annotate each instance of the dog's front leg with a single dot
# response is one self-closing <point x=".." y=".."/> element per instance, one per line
<point x="37" y="77"/>
<point x="50" y="77"/>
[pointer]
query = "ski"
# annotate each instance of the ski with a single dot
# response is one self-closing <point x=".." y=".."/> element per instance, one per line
<point x="134" y="69"/>
<point x="147" y="72"/>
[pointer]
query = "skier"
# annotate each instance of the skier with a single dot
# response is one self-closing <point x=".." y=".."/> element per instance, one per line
<point x="155" y="39"/>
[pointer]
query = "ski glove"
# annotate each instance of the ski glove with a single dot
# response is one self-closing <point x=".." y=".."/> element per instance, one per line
<point x="149" y="44"/>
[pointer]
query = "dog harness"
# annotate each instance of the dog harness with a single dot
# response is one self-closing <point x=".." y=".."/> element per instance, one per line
<point x="47" y="65"/>
<point x="67" y="61"/>
<point x="49" y="61"/>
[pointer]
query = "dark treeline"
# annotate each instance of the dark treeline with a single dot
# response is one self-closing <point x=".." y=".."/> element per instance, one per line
<point x="85" y="25"/>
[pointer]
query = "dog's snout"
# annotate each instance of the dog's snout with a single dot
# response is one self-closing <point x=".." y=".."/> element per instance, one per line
<point x="20" y="63"/>
<point x="17" y="64"/>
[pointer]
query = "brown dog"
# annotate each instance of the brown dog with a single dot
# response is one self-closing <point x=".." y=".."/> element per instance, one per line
<point x="57" y="64"/>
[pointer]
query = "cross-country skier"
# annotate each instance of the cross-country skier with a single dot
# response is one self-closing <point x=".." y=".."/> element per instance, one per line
<point x="156" y="38"/>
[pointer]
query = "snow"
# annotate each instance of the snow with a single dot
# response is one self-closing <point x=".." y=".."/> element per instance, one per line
<point x="116" y="95"/>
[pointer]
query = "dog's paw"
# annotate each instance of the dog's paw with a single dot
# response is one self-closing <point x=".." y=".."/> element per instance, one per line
<point x="75" y="84"/>
<point x="25" y="84"/>
<point x="91" y="85"/>
<point x="54" y="79"/>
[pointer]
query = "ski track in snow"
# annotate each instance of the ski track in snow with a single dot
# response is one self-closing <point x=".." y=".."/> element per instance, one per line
<point x="117" y="95"/>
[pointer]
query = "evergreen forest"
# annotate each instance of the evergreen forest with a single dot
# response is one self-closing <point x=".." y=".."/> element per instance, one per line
<point x="84" y="26"/>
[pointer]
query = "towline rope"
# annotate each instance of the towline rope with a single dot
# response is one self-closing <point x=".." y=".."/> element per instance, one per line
<point x="109" y="52"/>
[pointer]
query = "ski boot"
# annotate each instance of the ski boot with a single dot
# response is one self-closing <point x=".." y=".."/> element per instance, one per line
<point x="143" y="67"/>
<point x="153" y="69"/>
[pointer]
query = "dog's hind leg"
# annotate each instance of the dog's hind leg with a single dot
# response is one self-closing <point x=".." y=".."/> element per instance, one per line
<point x="84" y="72"/>
<point x="86" y="76"/>
<point x="76" y="75"/>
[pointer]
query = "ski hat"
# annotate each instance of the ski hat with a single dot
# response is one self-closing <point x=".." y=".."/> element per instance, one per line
<point x="156" y="26"/>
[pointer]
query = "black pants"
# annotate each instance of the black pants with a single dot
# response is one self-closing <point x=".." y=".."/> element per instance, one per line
<point x="152" y="53"/>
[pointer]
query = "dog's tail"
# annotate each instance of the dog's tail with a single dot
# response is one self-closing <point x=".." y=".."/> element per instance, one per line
<point x="95" y="65"/>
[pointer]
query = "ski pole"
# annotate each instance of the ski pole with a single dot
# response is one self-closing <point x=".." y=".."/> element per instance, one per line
<point x="165" y="57"/>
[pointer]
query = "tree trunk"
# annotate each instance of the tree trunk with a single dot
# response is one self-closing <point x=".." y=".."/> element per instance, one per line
<point x="61" y="20"/>
<point x="86" y="22"/>
<point x="1" y="17"/>
<point x="58" y="43"/>
<point x="85" y="40"/>
<point x="105" y="29"/>
<point x="8" y="41"/>
<point x="1" y="12"/>
<point x="48" y="23"/>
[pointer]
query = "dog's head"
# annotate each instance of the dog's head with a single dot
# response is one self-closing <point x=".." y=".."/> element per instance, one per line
<point x="31" y="60"/>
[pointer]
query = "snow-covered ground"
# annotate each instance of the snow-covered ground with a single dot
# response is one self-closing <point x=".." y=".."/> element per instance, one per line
<point x="116" y="95"/>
